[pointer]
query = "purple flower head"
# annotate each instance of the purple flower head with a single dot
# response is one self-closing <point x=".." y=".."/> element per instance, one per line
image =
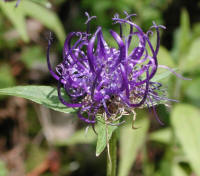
<point x="100" y="79"/>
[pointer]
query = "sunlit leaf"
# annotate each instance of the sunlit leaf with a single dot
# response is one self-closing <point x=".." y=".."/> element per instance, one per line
<point x="45" y="95"/>
<point x="177" y="170"/>
<point x="131" y="141"/>
<point x="186" y="120"/>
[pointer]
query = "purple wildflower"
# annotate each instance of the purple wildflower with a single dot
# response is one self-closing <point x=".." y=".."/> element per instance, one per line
<point x="100" y="79"/>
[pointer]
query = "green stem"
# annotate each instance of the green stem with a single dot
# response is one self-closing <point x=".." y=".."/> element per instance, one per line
<point x="112" y="159"/>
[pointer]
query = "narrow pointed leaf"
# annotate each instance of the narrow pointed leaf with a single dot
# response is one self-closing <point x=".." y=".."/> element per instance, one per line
<point x="184" y="32"/>
<point x="182" y="38"/>
<point x="45" y="95"/>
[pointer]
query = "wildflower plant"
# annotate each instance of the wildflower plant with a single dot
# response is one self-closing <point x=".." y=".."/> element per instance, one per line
<point x="106" y="82"/>
<point x="109" y="81"/>
<point x="103" y="83"/>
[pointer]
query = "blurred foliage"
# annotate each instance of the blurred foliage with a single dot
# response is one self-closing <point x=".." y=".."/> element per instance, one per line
<point x="149" y="150"/>
<point x="36" y="155"/>
<point x="131" y="146"/>
<point x="33" y="56"/>
<point x="186" y="128"/>
<point x="3" y="169"/>
<point x="147" y="10"/>
<point x="30" y="8"/>
<point x="6" y="77"/>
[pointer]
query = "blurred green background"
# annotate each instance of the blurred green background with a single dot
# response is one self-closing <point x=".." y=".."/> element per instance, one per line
<point x="37" y="141"/>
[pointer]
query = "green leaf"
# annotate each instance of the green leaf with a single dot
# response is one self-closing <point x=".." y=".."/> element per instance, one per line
<point x="195" y="30"/>
<point x="45" y="95"/>
<point x="162" y="136"/>
<point x="182" y="38"/>
<point x="164" y="57"/>
<point x="165" y="167"/>
<point x="177" y="170"/>
<point x="130" y="143"/>
<point x="192" y="91"/>
<point x="162" y="75"/>
<point x="186" y="120"/>
<point x="191" y="61"/>
<point x="184" y="32"/>
<point x="46" y="17"/>
<point x="102" y="131"/>
<point x="45" y="3"/>
<point x="17" y="17"/>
